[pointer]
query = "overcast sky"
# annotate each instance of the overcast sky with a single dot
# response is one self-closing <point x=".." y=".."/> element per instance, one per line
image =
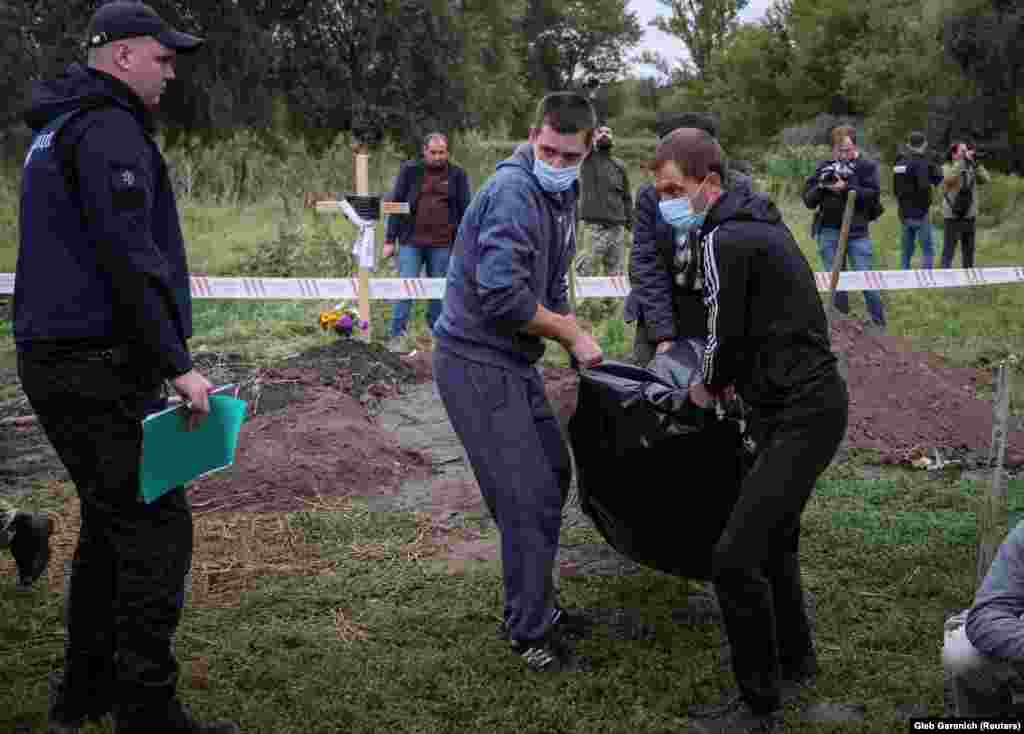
<point x="669" y="46"/>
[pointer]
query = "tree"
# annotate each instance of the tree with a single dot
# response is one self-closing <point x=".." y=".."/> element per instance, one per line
<point x="566" y="41"/>
<point x="702" y="25"/>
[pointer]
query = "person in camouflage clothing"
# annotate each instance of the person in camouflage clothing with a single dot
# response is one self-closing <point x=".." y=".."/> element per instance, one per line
<point x="605" y="212"/>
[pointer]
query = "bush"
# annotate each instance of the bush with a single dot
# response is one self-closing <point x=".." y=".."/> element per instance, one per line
<point x="1000" y="198"/>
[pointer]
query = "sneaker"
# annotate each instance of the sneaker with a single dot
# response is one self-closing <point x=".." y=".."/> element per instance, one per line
<point x="550" y="655"/>
<point x="568" y="625"/>
<point x="30" y="546"/>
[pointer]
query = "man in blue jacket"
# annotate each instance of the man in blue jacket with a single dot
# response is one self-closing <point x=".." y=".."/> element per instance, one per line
<point x="913" y="177"/>
<point x="507" y="289"/>
<point x="437" y="192"/>
<point x="826" y="190"/>
<point x="102" y="315"/>
<point x="983" y="650"/>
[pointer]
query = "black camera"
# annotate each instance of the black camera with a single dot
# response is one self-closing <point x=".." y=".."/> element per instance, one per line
<point x="835" y="172"/>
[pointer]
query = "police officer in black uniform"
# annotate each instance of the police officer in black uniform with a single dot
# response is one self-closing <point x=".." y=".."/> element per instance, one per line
<point x="102" y="314"/>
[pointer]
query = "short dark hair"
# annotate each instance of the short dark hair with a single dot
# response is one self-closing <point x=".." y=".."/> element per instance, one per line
<point x="694" y="151"/>
<point x="698" y="120"/>
<point x="567" y="113"/>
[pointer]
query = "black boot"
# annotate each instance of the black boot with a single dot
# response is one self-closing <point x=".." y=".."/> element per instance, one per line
<point x="740" y="720"/>
<point x="179" y="720"/>
<point x="30" y="546"/>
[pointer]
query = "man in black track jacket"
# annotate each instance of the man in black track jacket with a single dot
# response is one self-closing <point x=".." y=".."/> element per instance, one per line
<point x="768" y="341"/>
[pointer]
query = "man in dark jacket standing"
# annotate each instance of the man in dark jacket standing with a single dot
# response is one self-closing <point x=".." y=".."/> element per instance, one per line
<point x="437" y="192"/>
<point x="913" y="177"/>
<point x="665" y="297"/>
<point x="768" y="341"/>
<point x="826" y="191"/>
<point x="506" y="290"/>
<point x="606" y="211"/>
<point x="102" y="314"/>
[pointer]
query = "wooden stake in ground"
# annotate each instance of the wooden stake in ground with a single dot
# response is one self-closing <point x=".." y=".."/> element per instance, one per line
<point x="840" y="257"/>
<point x="363" y="189"/>
<point x="994" y="511"/>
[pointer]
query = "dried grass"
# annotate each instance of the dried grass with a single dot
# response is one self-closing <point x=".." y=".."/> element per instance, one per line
<point x="231" y="552"/>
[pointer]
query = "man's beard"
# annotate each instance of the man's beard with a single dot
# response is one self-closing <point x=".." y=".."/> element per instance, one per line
<point x="604" y="144"/>
<point x="437" y="165"/>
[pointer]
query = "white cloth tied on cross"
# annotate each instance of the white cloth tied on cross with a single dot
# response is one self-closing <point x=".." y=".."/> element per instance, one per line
<point x="364" y="246"/>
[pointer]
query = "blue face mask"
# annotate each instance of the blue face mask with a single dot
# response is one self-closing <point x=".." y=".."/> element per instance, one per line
<point x="678" y="213"/>
<point x="554" y="180"/>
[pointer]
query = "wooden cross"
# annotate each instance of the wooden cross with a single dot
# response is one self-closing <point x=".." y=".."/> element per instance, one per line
<point x="362" y="159"/>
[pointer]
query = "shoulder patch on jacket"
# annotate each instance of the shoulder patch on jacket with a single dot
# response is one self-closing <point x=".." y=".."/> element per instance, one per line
<point x="126" y="187"/>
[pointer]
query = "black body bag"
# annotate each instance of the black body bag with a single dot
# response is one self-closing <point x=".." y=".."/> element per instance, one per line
<point x="657" y="475"/>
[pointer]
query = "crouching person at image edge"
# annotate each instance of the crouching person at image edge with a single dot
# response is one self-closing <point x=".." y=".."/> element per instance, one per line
<point x="768" y="340"/>
<point x="507" y="288"/>
<point x="983" y="649"/>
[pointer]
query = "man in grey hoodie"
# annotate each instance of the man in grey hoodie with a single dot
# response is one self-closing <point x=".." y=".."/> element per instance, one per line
<point x="983" y="650"/>
<point x="506" y="289"/>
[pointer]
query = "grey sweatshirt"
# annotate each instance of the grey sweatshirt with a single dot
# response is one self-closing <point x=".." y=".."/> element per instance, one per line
<point x="994" y="625"/>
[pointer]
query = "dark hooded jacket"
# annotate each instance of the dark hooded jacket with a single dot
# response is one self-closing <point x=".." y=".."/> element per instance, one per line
<point x="512" y="253"/>
<point x="667" y="310"/>
<point x="101" y="261"/>
<point x="767" y="330"/>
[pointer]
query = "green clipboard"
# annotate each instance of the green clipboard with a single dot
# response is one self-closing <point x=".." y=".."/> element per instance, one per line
<point x="173" y="456"/>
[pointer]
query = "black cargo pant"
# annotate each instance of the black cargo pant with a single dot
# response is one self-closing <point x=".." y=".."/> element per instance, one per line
<point x="522" y="464"/>
<point x="954" y="232"/>
<point x="128" y="573"/>
<point x="755" y="565"/>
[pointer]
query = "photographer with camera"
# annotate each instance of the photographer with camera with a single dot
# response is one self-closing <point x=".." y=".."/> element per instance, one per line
<point x="961" y="175"/>
<point x="914" y="175"/>
<point x="826" y="191"/>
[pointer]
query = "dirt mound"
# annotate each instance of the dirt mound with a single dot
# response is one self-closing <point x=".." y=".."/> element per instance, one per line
<point x="903" y="401"/>
<point x="322" y="444"/>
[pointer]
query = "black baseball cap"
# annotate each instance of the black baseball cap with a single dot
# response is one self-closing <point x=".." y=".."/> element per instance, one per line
<point x="122" y="19"/>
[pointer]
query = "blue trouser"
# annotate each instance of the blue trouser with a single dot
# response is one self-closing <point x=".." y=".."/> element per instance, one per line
<point x="911" y="229"/>
<point x="858" y="252"/>
<point x="521" y="462"/>
<point x="411" y="261"/>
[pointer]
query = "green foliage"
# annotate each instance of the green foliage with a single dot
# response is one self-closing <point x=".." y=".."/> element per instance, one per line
<point x="566" y="42"/>
<point x="702" y="25"/>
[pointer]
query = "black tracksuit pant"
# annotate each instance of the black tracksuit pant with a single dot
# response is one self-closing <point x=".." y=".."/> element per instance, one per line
<point x="128" y="573"/>
<point x="756" y="568"/>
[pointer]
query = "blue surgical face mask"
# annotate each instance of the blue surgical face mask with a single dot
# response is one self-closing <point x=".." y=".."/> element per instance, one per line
<point x="554" y="180"/>
<point x="678" y="213"/>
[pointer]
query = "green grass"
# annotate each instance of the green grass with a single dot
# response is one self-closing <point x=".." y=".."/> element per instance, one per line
<point x="886" y="561"/>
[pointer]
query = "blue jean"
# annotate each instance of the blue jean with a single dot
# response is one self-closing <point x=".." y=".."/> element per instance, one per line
<point x="911" y="229"/>
<point x="858" y="253"/>
<point x="411" y="261"/>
